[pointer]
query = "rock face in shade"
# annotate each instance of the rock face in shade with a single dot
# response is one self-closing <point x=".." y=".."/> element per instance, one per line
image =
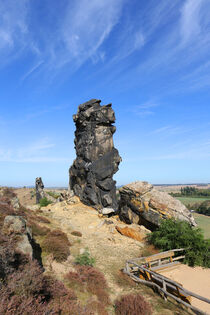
<point x="141" y="203"/>
<point x="97" y="159"/>
<point x="39" y="189"/>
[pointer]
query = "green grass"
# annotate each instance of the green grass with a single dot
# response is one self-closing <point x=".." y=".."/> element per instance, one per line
<point x="191" y="200"/>
<point x="203" y="223"/>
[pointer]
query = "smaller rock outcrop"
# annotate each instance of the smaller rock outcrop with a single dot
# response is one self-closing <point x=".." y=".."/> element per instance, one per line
<point x="39" y="189"/>
<point x="142" y="204"/>
<point x="15" y="227"/>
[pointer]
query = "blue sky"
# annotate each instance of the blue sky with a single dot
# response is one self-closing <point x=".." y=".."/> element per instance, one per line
<point x="150" y="58"/>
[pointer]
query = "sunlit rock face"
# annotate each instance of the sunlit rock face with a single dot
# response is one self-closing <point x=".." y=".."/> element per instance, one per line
<point x="142" y="204"/>
<point x="91" y="175"/>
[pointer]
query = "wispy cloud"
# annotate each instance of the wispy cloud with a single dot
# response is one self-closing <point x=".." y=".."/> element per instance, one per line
<point x="32" y="70"/>
<point x="36" y="152"/>
<point x="170" y="130"/>
<point x="13" y="28"/>
<point x="86" y="26"/>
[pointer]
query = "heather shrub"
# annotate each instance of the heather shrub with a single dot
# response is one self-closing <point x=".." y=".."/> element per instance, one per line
<point x="37" y="229"/>
<point x="132" y="305"/>
<point x="76" y="233"/>
<point x="42" y="219"/>
<point x="29" y="291"/>
<point x="56" y="242"/>
<point x="91" y="280"/>
<point x="8" y="193"/>
<point x="179" y="234"/>
<point x="85" y="259"/>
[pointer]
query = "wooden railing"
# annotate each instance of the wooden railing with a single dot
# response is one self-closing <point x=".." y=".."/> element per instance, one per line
<point x="143" y="270"/>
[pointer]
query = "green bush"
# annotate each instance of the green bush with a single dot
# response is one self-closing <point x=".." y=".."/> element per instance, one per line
<point x="85" y="259"/>
<point x="44" y="202"/>
<point x="53" y="194"/>
<point x="179" y="234"/>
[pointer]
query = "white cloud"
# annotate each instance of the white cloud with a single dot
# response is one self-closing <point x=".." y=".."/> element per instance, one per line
<point x="36" y="152"/>
<point x="86" y="26"/>
<point x="13" y="27"/>
<point x="190" y="20"/>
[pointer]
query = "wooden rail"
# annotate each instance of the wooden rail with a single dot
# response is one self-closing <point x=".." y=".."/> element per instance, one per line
<point x="145" y="273"/>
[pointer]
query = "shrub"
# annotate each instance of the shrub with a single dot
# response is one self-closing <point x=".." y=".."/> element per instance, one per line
<point x="95" y="281"/>
<point x="179" y="234"/>
<point x="56" y="242"/>
<point x="38" y="230"/>
<point x="44" y="202"/>
<point x="132" y="305"/>
<point x="85" y="259"/>
<point x="42" y="219"/>
<point x="91" y="280"/>
<point x="53" y="194"/>
<point x="76" y="233"/>
<point x="29" y="291"/>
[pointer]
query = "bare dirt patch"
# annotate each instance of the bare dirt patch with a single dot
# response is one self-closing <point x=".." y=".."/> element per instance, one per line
<point x="195" y="279"/>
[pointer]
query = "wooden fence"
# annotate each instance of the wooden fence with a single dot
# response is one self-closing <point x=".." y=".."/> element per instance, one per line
<point x="144" y="270"/>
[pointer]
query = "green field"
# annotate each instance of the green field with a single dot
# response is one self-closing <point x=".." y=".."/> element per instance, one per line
<point x="191" y="200"/>
<point x="203" y="222"/>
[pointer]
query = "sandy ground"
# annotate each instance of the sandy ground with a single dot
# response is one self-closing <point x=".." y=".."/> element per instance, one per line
<point x="196" y="280"/>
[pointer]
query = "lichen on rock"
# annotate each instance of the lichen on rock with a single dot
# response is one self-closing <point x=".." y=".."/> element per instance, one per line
<point x="142" y="204"/>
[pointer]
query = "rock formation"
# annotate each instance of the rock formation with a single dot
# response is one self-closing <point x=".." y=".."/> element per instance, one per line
<point x="16" y="228"/>
<point x="141" y="203"/>
<point x="97" y="160"/>
<point x="39" y="189"/>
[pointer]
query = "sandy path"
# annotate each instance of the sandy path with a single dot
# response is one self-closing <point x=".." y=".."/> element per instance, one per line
<point x="196" y="280"/>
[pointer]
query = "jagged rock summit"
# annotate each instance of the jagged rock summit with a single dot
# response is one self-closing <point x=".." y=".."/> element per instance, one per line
<point x="141" y="203"/>
<point x="97" y="160"/>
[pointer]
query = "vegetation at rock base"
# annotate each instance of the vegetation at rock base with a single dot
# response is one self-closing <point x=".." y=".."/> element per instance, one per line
<point x="53" y="194"/>
<point x="85" y="259"/>
<point x="132" y="304"/>
<point x="56" y="242"/>
<point x="44" y="202"/>
<point x="179" y="234"/>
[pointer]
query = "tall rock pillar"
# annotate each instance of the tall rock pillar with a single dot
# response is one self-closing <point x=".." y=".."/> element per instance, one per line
<point x="97" y="160"/>
<point x="39" y="186"/>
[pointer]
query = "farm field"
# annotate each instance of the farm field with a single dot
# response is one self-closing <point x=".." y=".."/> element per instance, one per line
<point x="203" y="222"/>
<point x="191" y="200"/>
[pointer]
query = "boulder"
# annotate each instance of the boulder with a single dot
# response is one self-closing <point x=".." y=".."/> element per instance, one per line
<point x="106" y="211"/>
<point x="142" y="204"/>
<point x="130" y="232"/>
<point x="16" y="228"/>
<point x="91" y="175"/>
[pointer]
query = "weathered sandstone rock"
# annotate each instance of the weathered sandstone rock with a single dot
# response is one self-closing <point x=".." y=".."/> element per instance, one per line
<point x="142" y="204"/>
<point x="130" y="232"/>
<point x="39" y="189"/>
<point x="15" y="227"/>
<point x="97" y="159"/>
